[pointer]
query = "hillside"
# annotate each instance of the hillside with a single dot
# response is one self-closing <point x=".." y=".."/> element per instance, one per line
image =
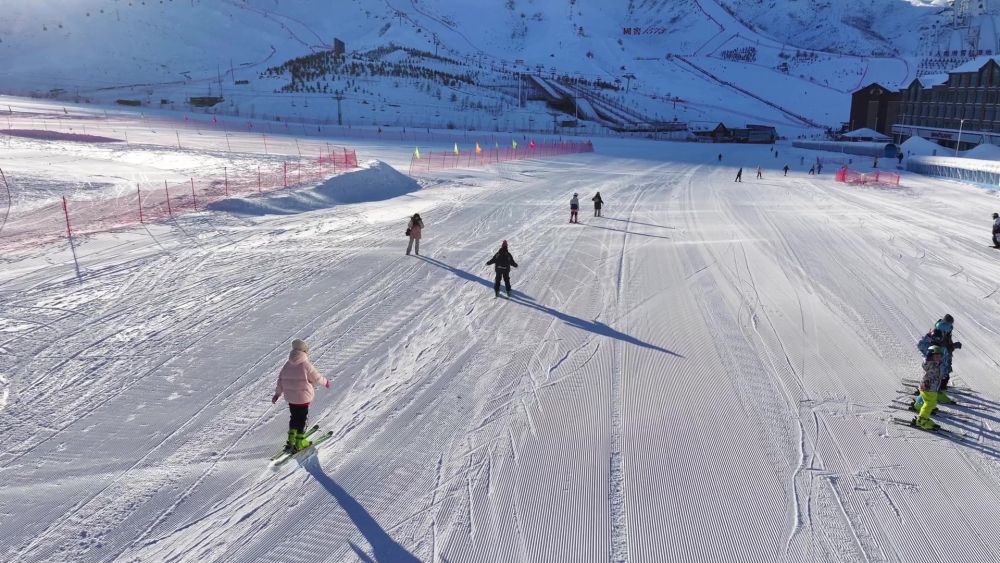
<point x="658" y="60"/>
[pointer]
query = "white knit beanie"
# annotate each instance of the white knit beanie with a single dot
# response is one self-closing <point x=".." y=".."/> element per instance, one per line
<point x="300" y="345"/>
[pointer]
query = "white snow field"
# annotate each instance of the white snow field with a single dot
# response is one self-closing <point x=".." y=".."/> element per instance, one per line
<point x="703" y="374"/>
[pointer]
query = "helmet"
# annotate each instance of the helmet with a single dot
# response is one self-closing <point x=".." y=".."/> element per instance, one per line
<point x="935" y="350"/>
<point x="575" y="194"/>
<point x="995" y="215"/>
<point x="949" y="319"/>
<point x="503" y="244"/>
<point x="944" y="327"/>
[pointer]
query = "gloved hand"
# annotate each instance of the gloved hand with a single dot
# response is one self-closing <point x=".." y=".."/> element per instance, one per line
<point x="274" y="399"/>
<point x="958" y="345"/>
<point x="327" y="384"/>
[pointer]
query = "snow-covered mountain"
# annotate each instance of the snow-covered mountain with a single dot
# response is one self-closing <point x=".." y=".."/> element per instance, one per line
<point x="789" y="63"/>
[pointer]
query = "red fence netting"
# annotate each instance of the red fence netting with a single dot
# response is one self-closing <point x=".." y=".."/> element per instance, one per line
<point x="849" y="176"/>
<point x="431" y="161"/>
<point x="148" y="202"/>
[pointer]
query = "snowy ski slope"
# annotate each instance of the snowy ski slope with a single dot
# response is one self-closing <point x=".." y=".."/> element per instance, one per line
<point x="703" y="374"/>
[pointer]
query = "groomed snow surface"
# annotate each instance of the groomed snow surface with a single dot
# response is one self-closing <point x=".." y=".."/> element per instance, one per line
<point x="703" y="374"/>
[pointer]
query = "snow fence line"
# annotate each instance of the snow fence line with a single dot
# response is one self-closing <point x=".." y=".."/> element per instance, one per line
<point x="150" y="203"/>
<point x="478" y="156"/>
<point x="849" y="176"/>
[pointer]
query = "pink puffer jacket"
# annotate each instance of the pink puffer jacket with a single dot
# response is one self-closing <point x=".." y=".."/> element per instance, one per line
<point x="297" y="378"/>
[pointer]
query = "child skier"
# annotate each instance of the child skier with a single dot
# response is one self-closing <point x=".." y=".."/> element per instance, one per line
<point x="739" y="175"/>
<point x="929" y="389"/>
<point x="502" y="261"/>
<point x="413" y="231"/>
<point x="574" y="207"/>
<point x="296" y="382"/>
<point x="786" y="170"/>
<point x="941" y="337"/>
<point x="760" y="172"/>
<point x="598" y="202"/>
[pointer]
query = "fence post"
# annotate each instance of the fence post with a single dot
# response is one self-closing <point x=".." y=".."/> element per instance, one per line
<point x="167" y="191"/>
<point x="139" y="192"/>
<point x="321" y="165"/>
<point x="226" y="173"/>
<point x="69" y="232"/>
<point x="194" y="202"/>
<point x="286" y="174"/>
<point x="258" y="180"/>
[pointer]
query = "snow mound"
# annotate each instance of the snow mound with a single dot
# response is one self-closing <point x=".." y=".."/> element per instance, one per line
<point x="983" y="152"/>
<point x="374" y="181"/>
<point x="918" y="146"/>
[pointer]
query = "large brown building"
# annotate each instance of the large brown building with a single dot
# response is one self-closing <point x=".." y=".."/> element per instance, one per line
<point x="958" y="108"/>
<point x="874" y="107"/>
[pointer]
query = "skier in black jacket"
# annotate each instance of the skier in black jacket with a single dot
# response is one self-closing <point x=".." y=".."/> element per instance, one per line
<point x="502" y="261"/>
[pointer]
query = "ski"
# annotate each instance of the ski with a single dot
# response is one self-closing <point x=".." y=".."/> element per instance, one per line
<point x="301" y="453"/>
<point x="905" y="406"/>
<point x="309" y="432"/>
<point x="943" y="432"/>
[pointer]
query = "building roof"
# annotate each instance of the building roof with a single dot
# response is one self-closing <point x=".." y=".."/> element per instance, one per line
<point x="977" y="63"/>
<point x="865" y="133"/>
<point x="930" y="80"/>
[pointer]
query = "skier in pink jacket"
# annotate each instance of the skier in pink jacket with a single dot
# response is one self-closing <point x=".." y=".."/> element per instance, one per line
<point x="296" y="382"/>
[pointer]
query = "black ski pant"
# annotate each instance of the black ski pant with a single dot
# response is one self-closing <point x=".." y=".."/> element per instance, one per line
<point x="298" y="418"/>
<point x="996" y="238"/>
<point x="597" y="211"/>
<point x="505" y="276"/>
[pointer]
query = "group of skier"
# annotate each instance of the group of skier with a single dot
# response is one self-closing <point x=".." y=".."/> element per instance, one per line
<point x="298" y="376"/>
<point x="937" y="347"/>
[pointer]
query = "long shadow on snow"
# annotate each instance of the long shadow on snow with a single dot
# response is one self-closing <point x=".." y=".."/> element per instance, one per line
<point x="623" y="231"/>
<point x="637" y="222"/>
<point x="595" y="327"/>
<point x="463" y="274"/>
<point x="384" y="548"/>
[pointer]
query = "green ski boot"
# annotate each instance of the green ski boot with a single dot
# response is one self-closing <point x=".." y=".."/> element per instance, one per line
<point x="301" y="442"/>
<point x="293" y="437"/>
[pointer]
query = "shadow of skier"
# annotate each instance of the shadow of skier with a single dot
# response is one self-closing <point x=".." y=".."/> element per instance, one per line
<point x="384" y="548"/>
<point x="594" y="327"/>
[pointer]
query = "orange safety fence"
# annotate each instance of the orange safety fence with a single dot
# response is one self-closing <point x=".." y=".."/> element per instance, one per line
<point x="849" y="176"/>
<point x="471" y="157"/>
<point x="148" y="202"/>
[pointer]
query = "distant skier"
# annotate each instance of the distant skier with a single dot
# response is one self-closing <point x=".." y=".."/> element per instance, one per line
<point x="996" y="230"/>
<point x="899" y="158"/>
<point x="760" y="172"/>
<point x="775" y="153"/>
<point x="929" y="389"/>
<point x="598" y="202"/>
<point x="720" y="157"/>
<point x="413" y="230"/>
<point x="819" y="168"/>
<point x="812" y="170"/>
<point x="295" y="382"/>
<point x="786" y="170"/>
<point x="802" y="161"/>
<point x="875" y="164"/>
<point x="739" y="175"/>
<point x="501" y="262"/>
<point x="574" y="208"/>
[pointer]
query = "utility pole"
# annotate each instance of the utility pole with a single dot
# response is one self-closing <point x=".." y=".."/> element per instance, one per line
<point x="339" y="97"/>
<point x="629" y="77"/>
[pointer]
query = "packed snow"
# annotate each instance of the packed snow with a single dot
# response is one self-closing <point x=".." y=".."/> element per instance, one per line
<point x="705" y="373"/>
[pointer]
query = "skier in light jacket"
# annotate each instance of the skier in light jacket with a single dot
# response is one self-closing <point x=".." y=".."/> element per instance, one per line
<point x="574" y="207"/>
<point x="295" y="382"/>
<point x="413" y="230"/>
